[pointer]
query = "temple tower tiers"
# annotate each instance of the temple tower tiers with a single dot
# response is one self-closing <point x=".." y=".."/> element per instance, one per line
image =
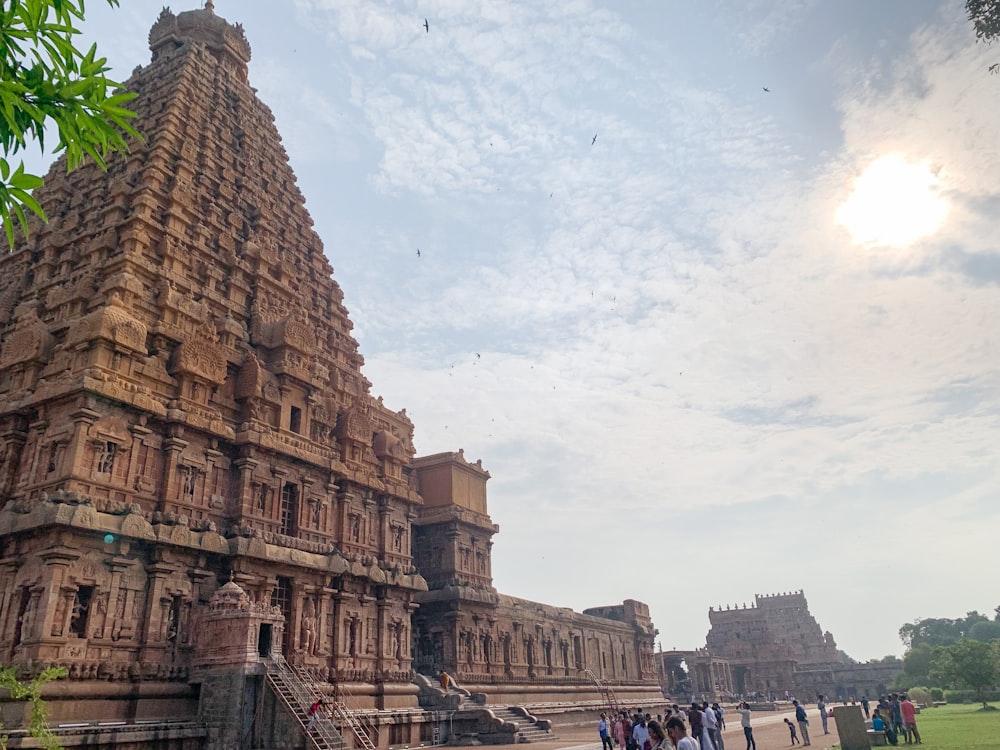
<point x="768" y="642"/>
<point x="194" y="474"/>
<point x="181" y="400"/>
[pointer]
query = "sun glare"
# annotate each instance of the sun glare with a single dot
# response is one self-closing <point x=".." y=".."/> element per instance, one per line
<point x="894" y="204"/>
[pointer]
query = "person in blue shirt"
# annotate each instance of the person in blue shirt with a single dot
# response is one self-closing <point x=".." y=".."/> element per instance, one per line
<point x="800" y="717"/>
<point x="877" y="724"/>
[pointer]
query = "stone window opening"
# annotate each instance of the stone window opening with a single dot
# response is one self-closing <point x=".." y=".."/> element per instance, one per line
<point x="281" y="597"/>
<point x="262" y="492"/>
<point x="289" y="508"/>
<point x="189" y="480"/>
<point x="352" y="636"/>
<point x="24" y="616"/>
<point x="295" y="419"/>
<point x="53" y="457"/>
<point x="173" y="617"/>
<point x="81" y="609"/>
<point x="106" y="458"/>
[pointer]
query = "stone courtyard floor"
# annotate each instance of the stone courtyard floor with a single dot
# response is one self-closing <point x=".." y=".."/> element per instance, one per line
<point x="769" y="731"/>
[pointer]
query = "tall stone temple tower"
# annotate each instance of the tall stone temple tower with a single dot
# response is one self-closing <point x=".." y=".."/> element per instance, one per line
<point x="181" y="400"/>
<point x="194" y="474"/>
<point x="770" y="641"/>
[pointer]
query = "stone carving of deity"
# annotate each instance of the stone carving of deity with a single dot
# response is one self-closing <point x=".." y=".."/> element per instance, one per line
<point x="60" y="618"/>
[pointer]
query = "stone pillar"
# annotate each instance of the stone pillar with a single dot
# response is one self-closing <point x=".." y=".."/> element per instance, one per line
<point x="57" y="561"/>
<point x="326" y="640"/>
<point x="298" y="596"/>
<point x="332" y="523"/>
<point x="338" y="649"/>
<point x="212" y="457"/>
<point x="383" y="641"/>
<point x="152" y="627"/>
<point x="9" y="598"/>
<point x="384" y="532"/>
<point x="82" y="421"/>
<point x="173" y="447"/>
<point x="245" y="469"/>
<point x="139" y="432"/>
<point x="304" y="504"/>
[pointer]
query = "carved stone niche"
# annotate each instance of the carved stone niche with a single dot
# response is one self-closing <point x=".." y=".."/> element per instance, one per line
<point x="292" y="332"/>
<point x="201" y="356"/>
<point x="391" y="454"/>
<point x="29" y="341"/>
<point x="354" y="431"/>
<point x="113" y="323"/>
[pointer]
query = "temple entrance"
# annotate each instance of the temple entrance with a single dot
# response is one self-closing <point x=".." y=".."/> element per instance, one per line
<point x="264" y="640"/>
<point x="741" y="677"/>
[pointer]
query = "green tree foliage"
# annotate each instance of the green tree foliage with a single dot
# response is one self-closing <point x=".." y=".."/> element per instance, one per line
<point x="32" y="691"/>
<point x="985" y="17"/>
<point x="916" y="666"/>
<point x="969" y="664"/>
<point x="987" y="630"/>
<point x="45" y="80"/>
<point x="941" y="631"/>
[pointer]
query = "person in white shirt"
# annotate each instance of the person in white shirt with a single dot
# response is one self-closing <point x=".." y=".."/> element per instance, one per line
<point x="604" y="729"/>
<point x="677" y="734"/>
<point x="710" y="728"/>
<point x="640" y="734"/>
<point x="744" y="712"/>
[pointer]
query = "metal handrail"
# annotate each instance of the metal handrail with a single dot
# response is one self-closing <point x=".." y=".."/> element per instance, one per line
<point x="607" y="692"/>
<point x="347" y="713"/>
<point x="323" y="734"/>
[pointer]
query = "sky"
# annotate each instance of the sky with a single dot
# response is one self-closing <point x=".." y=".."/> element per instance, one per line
<point x="744" y="342"/>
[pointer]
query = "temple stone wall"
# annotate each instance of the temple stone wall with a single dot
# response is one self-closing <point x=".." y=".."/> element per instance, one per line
<point x="502" y="645"/>
<point x="182" y="405"/>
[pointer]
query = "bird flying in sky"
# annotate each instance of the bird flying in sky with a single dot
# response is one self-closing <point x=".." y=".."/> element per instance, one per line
<point x="427" y="26"/>
<point x="594" y="139"/>
<point x="766" y="89"/>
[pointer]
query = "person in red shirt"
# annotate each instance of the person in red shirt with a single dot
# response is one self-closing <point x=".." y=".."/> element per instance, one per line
<point x="313" y="713"/>
<point x="909" y="713"/>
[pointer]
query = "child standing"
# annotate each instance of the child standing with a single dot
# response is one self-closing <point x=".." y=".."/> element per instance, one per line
<point x="792" y="732"/>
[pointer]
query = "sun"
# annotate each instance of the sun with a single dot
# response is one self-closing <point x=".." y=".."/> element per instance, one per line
<point x="894" y="203"/>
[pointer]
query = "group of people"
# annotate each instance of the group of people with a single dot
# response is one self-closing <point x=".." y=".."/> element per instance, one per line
<point x="896" y="715"/>
<point x="640" y="731"/>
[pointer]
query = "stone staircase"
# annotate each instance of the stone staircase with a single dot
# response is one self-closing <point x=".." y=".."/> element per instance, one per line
<point x="527" y="730"/>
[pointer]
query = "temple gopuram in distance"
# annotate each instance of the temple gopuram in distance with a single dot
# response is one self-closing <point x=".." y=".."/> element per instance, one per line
<point x="772" y="649"/>
<point x="205" y="516"/>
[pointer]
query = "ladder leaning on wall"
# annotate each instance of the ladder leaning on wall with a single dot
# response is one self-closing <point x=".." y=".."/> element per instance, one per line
<point x="607" y="692"/>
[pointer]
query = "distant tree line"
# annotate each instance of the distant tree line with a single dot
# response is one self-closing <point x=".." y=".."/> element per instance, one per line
<point x="956" y="654"/>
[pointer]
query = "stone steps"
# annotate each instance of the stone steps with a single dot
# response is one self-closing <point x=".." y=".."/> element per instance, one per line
<point x="526" y="730"/>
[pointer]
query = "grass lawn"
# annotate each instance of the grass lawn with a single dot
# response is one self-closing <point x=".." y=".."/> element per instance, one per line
<point x="958" y="727"/>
